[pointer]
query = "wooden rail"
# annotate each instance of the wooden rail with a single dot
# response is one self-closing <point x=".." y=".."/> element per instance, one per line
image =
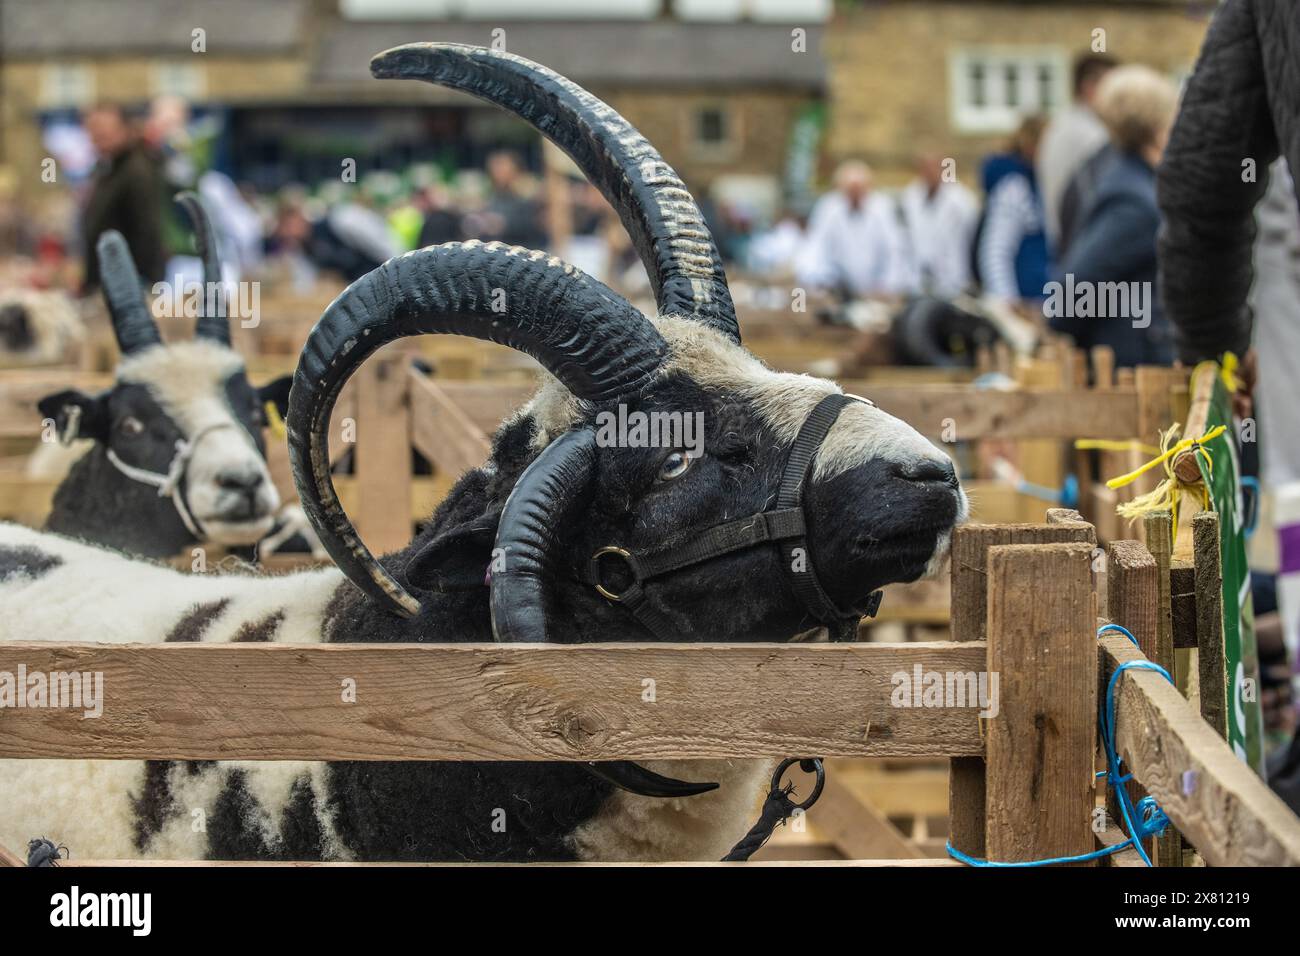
<point x="491" y="702"/>
<point x="1032" y="761"/>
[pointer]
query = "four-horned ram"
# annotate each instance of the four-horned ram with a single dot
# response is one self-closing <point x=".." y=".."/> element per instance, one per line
<point x="173" y="454"/>
<point x="802" y="503"/>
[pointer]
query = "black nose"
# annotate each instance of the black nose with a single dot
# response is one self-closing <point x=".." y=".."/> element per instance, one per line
<point x="246" y="482"/>
<point x="927" y="469"/>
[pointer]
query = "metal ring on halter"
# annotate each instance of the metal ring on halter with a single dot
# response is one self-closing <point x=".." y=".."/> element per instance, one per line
<point x="817" y="768"/>
<point x="595" y="569"/>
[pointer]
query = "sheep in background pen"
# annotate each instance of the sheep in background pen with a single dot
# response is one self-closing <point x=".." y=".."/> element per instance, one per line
<point x="173" y="454"/>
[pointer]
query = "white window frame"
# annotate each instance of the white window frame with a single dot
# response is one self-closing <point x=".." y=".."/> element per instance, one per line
<point x="181" y="78"/>
<point x="67" y="84"/>
<point x="998" y="115"/>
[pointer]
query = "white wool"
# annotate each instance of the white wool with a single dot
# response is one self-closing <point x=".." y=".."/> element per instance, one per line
<point x="54" y="323"/>
<point x="87" y="804"/>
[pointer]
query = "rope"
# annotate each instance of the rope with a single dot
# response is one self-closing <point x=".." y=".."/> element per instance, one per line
<point x="1142" y="819"/>
<point x="43" y="852"/>
<point x="777" y="808"/>
<point x="169" y="484"/>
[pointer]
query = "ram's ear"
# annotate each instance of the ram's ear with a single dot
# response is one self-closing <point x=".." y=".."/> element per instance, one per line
<point x="77" y="415"/>
<point x="277" y="393"/>
<point x="457" y="559"/>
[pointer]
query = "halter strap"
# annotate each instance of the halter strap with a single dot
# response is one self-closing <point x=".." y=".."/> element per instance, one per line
<point x="169" y="484"/>
<point x="785" y="526"/>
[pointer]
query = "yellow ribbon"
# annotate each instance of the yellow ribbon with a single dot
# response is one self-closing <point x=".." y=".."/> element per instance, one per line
<point x="1229" y="373"/>
<point x="1171" y="452"/>
<point x="275" y="422"/>
<point x="1103" y="444"/>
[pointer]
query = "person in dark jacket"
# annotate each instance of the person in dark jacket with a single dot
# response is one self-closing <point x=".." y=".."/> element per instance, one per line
<point x="1113" y="256"/>
<point x="1240" y="111"/>
<point x="125" y="194"/>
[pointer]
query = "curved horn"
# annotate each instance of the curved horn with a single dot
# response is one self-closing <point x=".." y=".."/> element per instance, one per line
<point x="214" y="327"/>
<point x="587" y="336"/>
<point x="133" y="326"/>
<point x="543" y="501"/>
<point x="662" y="218"/>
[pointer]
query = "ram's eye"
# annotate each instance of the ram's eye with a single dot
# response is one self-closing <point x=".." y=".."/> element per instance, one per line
<point x="675" y="465"/>
<point x="130" y="426"/>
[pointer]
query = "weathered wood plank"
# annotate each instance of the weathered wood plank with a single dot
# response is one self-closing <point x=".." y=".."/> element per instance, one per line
<point x="1211" y="656"/>
<point x="383" y="453"/>
<point x="492" y="702"/>
<point x="987" y="413"/>
<point x="1042" y="743"/>
<point x="1211" y="796"/>
<point x="1133" y="602"/>
<point x="442" y="431"/>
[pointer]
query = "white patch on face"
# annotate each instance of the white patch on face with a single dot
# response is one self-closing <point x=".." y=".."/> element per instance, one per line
<point x="782" y="399"/>
<point x="188" y="381"/>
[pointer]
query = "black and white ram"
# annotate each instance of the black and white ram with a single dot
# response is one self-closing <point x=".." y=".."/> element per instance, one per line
<point x="878" y="506"/>
<point x="173" y="454"/>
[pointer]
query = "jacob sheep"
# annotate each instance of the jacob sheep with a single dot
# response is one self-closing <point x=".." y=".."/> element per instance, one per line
<point x="598" y="540"/>
<point x="173" y="454"/>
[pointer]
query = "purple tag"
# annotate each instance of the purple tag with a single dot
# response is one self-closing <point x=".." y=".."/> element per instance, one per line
<point x="1289" y="539"/>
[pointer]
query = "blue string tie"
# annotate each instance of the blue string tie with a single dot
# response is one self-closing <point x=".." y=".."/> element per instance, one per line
<point x="1142" y="819"/>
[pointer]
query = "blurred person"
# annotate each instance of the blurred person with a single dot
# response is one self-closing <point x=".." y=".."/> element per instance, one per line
<point x="510" y="214"/>
<point x="1072" y="137"/>
<point x="441" y="218"/>
<point x="1240" y="112"/>
<point x="1117" y="239"/>
<point x="1011" y="242"/>
<point x="940" y="216"/>
<point x="855" y="242"/>
<point x="125" y="194"/>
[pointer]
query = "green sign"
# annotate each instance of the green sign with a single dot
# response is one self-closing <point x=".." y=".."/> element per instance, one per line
<point x="1241" y="658"/>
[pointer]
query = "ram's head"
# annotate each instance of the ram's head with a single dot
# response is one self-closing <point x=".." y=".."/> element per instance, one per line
<point x="657" y="486"/>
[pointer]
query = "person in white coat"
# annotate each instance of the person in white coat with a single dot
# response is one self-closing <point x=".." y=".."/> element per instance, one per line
<point x="855" y="243"/>
<point x="940" y="215"/>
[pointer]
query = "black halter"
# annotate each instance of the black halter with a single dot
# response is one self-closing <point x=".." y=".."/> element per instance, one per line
<point x="784" y="526"/>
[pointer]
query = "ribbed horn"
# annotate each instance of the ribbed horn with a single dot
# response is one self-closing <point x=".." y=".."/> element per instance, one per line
<point x="133" y="326"/>
<point x="544" y="501"/>
<point x="586" y="335"/>
<point x="215" y="326"/>
<point x="658" y="212"/>
<point x="541" y="506"/>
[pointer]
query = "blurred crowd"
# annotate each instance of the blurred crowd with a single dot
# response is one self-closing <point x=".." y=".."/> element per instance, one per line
<point x="1074" y="195"/>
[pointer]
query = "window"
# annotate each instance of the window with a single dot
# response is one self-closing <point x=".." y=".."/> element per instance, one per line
<point x="185" y="79"/>
<point x="713" y="132"/>
<point x="67" y="84"/>
<point x="990" y="90"/>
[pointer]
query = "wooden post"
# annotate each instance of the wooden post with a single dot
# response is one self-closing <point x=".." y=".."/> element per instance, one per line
<point x="383" y="453"/>
<point x="1211" y="659"/>
<point x="970" y="548"/>
<point x="1042" y="744"/>
<point x="1159" y="534"/>
<point x="1133" y="602"/>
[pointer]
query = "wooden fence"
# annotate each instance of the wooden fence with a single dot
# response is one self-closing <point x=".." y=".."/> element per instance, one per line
<point x="1023" y="782"/>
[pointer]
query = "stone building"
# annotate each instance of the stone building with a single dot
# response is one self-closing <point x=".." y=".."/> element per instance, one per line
<point x="290" y="82"/>
<point x="957" y="75"/>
